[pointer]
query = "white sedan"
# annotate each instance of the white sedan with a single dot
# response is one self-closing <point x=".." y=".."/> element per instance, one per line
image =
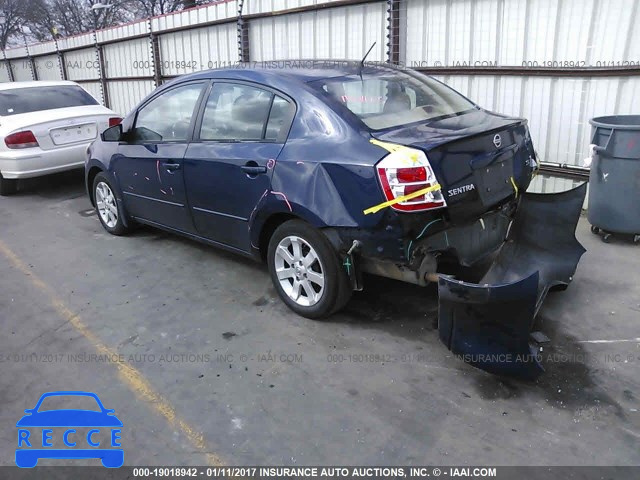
<point x="46" y="127"/>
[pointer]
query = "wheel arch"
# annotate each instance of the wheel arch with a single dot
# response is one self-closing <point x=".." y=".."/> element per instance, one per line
<point x="269" y="227"/>
<point x="91" y="176"/>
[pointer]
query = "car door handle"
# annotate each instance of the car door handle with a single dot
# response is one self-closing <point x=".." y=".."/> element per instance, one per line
<point x="253" y="169"/>
<point x="172" y="167"/>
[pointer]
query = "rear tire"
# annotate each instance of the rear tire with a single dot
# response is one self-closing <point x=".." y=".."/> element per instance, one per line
<point x="107" y="207"/>
<point x="8" y="186"/>
<point x="306" y="270"/>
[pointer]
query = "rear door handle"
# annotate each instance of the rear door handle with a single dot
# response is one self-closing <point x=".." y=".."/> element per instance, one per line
<point x="172" y="167"/>
<point x="253" y="169"/>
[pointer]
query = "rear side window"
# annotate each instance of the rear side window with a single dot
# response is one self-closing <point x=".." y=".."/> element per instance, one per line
<point x="36" y="99"/>
<point x="236" y="112"/>
<point x="279" y="119"/>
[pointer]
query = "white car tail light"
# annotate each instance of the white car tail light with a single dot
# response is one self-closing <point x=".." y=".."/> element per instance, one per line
<point x="25" y="139"/>
<point x="113" y="121"/>
<point x="405" y="171"/>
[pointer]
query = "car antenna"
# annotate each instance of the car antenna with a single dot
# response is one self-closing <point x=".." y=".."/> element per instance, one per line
<point x="364" y="58"/>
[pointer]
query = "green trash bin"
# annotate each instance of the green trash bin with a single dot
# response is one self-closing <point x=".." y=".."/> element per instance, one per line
<point x="614" y="180"/>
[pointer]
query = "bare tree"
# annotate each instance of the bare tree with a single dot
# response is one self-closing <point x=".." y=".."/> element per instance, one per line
<point x="71" y="17"/>
<point x="38" y="18"/>
<point x="151" y="8"/>
<point x="14" y="13"/>
<point x="47" y="19"/>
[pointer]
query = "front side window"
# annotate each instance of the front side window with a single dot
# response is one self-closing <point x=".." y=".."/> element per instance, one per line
<point x="168" y="117"/>
<point x="391" y="99"/>
<point x="36" y="99"/>
<point x="237" y="112"/>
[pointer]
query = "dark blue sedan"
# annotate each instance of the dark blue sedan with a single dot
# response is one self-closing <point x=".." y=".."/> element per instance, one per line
<point x="326" y="170"/>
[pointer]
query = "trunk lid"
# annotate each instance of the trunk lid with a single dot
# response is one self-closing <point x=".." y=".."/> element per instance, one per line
<point x="61" y="126"/>
<point x="480" y="158"/>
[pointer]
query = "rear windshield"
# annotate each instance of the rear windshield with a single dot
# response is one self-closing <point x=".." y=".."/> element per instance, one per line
<point x="35" y="99"/>
<point x="388" y="100"/>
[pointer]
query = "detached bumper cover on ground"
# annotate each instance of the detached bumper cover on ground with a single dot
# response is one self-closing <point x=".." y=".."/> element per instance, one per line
<point x="488" y="324"/>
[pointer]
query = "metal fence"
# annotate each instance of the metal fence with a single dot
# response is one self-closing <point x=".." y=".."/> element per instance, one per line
<point x="556" y="62"/>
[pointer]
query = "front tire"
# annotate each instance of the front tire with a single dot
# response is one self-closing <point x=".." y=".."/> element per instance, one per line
<point x="7" y="186"/>
<point x="306" y="270"/>
<point x="107" y="208"/>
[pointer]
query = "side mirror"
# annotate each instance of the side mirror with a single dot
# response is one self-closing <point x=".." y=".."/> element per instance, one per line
<point x="112" y="134"/>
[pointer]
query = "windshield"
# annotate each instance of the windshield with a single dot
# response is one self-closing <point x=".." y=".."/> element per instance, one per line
<point x="390" y="99"/>
<point x="35" y="99"/>
<point x="69" y="402"/>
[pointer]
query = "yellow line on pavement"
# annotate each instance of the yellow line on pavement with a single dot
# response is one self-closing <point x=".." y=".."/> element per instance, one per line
<point x="128" y="374"/>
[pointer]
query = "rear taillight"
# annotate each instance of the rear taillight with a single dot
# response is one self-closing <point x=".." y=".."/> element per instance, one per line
<point x="113" y="121"/>
<point x="24" y="139"/>
<point x="406" y="171"/>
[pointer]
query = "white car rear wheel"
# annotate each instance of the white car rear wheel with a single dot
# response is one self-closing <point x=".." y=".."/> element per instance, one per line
<point x="7" y="186"/>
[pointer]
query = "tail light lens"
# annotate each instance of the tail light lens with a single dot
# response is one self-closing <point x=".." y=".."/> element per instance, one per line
<point x="25" y="139"/>
<point x="406" y="171"/>
<point x="113" y="121"/>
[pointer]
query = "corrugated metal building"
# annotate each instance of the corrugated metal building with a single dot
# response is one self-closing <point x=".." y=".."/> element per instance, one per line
<point x="556" y="62"/>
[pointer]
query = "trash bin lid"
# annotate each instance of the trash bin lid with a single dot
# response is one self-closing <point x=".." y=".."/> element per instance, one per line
<point x="619" y="122"/>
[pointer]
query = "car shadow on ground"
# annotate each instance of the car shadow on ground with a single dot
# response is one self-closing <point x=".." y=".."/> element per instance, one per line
<point x="59" y="186"/>
<point x="384" y="300"/>
<point x="410" y="308"/>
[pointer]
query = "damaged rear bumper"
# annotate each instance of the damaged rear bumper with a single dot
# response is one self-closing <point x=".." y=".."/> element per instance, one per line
<point x="488" y="324"/>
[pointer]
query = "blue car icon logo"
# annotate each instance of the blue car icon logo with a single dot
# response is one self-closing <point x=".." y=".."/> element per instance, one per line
<point x="58" y="430"/>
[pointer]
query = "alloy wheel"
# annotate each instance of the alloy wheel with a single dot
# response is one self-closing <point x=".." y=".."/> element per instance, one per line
<point x="106" y="204"/>
<point x="299" y="270"/>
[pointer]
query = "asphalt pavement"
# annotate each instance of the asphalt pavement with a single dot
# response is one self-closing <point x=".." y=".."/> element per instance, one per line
<point x="204" y="364"/>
